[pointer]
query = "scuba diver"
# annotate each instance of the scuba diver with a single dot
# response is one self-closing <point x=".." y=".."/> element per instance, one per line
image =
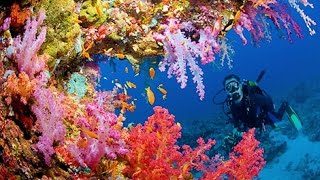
<point x="252" y="107"/>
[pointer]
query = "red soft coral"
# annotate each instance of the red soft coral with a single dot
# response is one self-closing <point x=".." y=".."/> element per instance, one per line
<point x="245" y="162"/>
<point x="154" y="153"/>
<point x="153" y="149"/>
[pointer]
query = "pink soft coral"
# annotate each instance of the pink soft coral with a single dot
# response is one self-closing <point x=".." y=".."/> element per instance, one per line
<point x="49" y="112"/>
<point x="27" y="47"/>
<point x="100" y="137"/>
<point x="181" y="51"/>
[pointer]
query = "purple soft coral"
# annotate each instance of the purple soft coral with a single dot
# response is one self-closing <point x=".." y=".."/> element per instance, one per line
<point x="6" y="24"/>
<point x="49" y="113"/>
<point x="108" y="141"/>
<point x="27" y="47"/>
<point x="182" y="51"/>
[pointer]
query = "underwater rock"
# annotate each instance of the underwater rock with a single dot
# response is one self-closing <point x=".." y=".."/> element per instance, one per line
<point x="300" y="93"/>
<point x="16" y="152"/>
<point x="310" y="167"/>
<point x="312" y="126"/>
<point x="273" y="145"/>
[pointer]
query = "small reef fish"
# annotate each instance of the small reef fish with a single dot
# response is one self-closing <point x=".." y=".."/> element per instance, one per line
<point x="107" y="51"/>
<point x="163" y="91"/>
<point x="82" y="143"/>
<point x="151" y="73"/>
<point x="150" y="96"/>
<point x="126" y="70"/>
<point x="119" y="85"/>
<point x="136" y="69"/>
<point x="125" y="91"/>
<point x="130" y="84"/>
<point x="131" y="125"/>
<point x="120" y="56"/>
<point x="99" y="11"/>
<point x="85" y="51"/>
<point x="89" y="133"/>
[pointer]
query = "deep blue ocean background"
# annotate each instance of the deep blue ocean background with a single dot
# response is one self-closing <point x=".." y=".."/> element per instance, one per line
<point x="287" y="65"/>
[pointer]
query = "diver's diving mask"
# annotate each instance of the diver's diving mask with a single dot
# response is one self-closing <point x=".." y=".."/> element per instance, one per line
<point x="232" y="86"/>
<point x="234" y="89"/>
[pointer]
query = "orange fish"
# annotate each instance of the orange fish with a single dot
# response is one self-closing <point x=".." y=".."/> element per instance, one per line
<point x="85" y="50"/>
<point x="150" y="96"/>
<point x="131" y="107"/>
<point x="151" y="73"/>
<point x="130" y="84"/>
<point x="89" y="133"/>
<point x="120" y="56"/>
<point x="163" y="91"/>
<point x="237" y="16"/>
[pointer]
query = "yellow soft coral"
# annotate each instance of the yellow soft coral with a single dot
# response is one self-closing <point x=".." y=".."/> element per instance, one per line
<point x="62" y="29"/>
<point x="92" y="12"/>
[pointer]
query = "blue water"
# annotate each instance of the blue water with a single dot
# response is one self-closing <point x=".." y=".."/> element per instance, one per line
<point x="286" y="65"/>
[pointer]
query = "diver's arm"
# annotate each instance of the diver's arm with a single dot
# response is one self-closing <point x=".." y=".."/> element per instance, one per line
<point x="263" y="101"/>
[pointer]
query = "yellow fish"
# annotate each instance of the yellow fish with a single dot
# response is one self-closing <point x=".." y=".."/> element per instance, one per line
<point x="107" y="51"/>
<point x="99" y="11"/>
<point x="163" y="91"/>
<point x="151" y="73"/>
<point x="131" y="85"/>
<point x="150" y="96"/>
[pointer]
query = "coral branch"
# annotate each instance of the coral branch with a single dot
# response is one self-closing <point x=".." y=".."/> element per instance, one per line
<point x="28" y="46"/>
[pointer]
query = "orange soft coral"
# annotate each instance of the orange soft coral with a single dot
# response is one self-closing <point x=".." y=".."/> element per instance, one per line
<point x="18" y="16"/>
<point x="20" y="86"/>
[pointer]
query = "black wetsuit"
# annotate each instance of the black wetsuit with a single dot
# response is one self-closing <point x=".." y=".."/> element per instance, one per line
<point x="255" y="110"/>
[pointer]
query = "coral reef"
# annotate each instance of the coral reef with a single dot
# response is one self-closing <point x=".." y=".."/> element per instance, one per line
<point x="63" y="29"/>
<point x="54" y="123"/>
